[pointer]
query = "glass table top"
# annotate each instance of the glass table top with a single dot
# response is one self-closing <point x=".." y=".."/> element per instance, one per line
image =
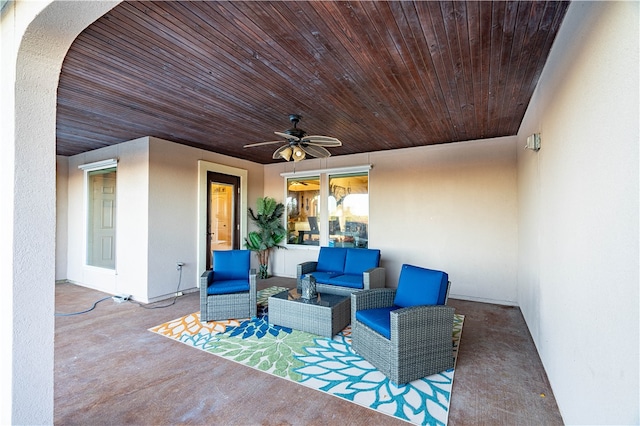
<point x="323" y="299"/>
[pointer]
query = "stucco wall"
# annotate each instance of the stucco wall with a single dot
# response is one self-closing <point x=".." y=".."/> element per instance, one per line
<point x="173" y="199"/>
<point x="174" y="202"/>
<point x="62" y="216"/>
<point x="157" y="217"/>
<point x="34" y="39"/>
<point x="451" y="207"/>
<point x="132" y="206"/>
<point x="578" y="215"/>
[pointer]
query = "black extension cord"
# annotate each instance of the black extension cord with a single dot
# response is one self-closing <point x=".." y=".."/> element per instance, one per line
<point x="127" y="300"/>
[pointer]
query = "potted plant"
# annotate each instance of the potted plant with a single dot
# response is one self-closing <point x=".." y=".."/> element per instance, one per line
<point x="271" y="232"/>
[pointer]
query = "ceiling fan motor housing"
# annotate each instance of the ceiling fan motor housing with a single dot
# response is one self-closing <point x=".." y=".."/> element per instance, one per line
<point x="295" y="118"/>
<point x="294" y="131"/>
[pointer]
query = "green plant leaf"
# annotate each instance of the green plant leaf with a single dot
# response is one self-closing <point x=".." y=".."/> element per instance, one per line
<point x="268" y="219"/>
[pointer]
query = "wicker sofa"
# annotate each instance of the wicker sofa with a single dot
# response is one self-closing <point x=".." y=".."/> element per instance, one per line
<point x="342" y="271"/>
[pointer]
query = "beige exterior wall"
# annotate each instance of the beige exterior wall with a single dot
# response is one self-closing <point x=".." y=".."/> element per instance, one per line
<point x="62" y="216"/>
<point x="578" y="215"/>
<point x="158" y="202"/>
<point x="132" y="202"/>
<point x="451" y="207"/>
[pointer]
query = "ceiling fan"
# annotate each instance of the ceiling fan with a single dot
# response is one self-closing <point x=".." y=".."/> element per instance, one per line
<point x="298" y="145"/>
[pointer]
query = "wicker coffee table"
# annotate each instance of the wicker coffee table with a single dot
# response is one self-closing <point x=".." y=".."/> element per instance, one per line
<point x="325" y="315"/>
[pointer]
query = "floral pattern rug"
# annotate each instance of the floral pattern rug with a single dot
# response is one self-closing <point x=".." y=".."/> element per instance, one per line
<point x="321" y="363"/>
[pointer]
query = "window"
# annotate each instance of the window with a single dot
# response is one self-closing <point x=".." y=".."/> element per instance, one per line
<point x="329" y="208"/>
<point x="303" y="210"/>
<point x="348" y="208"/>
<point x="100" y="181"/>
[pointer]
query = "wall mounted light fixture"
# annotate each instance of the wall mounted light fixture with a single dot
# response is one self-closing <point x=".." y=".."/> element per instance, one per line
<point x="533" y="142"/>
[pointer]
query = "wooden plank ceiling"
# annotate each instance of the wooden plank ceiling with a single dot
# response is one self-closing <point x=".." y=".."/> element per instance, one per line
<point x="376" y="75"/>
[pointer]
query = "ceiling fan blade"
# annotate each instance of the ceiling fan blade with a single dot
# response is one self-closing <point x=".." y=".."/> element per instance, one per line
<point x="263" y="143"/>
<point x="321" y="140"/>
<point x="287" y="137"/>
<point x="315" y="151"/>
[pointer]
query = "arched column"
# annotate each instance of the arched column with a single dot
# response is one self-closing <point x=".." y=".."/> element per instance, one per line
<point x="35" y="39"/>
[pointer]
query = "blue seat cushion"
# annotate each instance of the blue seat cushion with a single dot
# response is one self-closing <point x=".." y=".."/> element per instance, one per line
<point x="347" y="280"/>
<point x="420" y="286"/>
<point x="331" y="259"/>
<point x="231" y="265"/>
<point x="322" y="276"/>
<point x="228" y="287"/>
<point x="379" y="319"/>
<point x="360" y="260"/>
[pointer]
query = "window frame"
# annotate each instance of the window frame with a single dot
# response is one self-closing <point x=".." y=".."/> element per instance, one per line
<point x="87" y="169"/>
<point x="323" y="198"/>
<point x="353" y="232"/>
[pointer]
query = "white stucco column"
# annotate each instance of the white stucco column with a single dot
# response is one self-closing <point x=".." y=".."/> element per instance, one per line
<point x="35" y="38"/>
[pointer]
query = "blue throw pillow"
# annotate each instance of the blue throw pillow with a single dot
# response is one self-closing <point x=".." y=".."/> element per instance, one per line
<point x="420" y="286"/>
<point x="360" y="260"/>
<point x="331" y="259"/>
<point x="231" y="265"/>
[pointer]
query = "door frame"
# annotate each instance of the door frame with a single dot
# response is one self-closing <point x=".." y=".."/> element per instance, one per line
<point x="234" y="182"/>
<point x="203" y="168"/>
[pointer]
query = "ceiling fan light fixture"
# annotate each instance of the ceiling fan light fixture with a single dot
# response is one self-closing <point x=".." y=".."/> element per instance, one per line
<point x="286" y="153"/>
<point x="298" y="145"/>
<point x="298" y="154"/>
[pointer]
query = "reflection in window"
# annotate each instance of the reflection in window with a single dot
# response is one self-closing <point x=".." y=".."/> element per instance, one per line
<point x="303" y="210"/>
<point x="348" y="208"/>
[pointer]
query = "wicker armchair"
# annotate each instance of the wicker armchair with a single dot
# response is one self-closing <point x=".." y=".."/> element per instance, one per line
<point x="405" y="333"/>
<point x="228" y="291"/>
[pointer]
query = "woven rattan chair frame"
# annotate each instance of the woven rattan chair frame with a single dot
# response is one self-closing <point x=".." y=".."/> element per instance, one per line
<point x="371" y="278"/>
<point x="216" y="307"/>
<point x="421" y="337"/>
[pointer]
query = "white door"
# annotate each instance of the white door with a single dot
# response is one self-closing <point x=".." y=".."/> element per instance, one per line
<point x="101" y="241"/>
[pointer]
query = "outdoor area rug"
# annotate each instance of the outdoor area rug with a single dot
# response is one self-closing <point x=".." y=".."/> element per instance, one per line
<point x="321" y="363"/>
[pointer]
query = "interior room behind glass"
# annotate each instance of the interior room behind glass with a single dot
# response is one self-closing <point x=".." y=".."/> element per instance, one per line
<point x="341" y="221"/>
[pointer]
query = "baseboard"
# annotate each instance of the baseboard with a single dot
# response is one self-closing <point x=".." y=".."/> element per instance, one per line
<point x="171" y="295"/>
<point x="483" y="300"/>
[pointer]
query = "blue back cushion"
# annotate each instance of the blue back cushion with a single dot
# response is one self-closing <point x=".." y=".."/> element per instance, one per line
<point x="231" y="265"/>
<point x="420" y="286"/>
<point x="331" y="259"/>
<point x="359" y="260"/>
